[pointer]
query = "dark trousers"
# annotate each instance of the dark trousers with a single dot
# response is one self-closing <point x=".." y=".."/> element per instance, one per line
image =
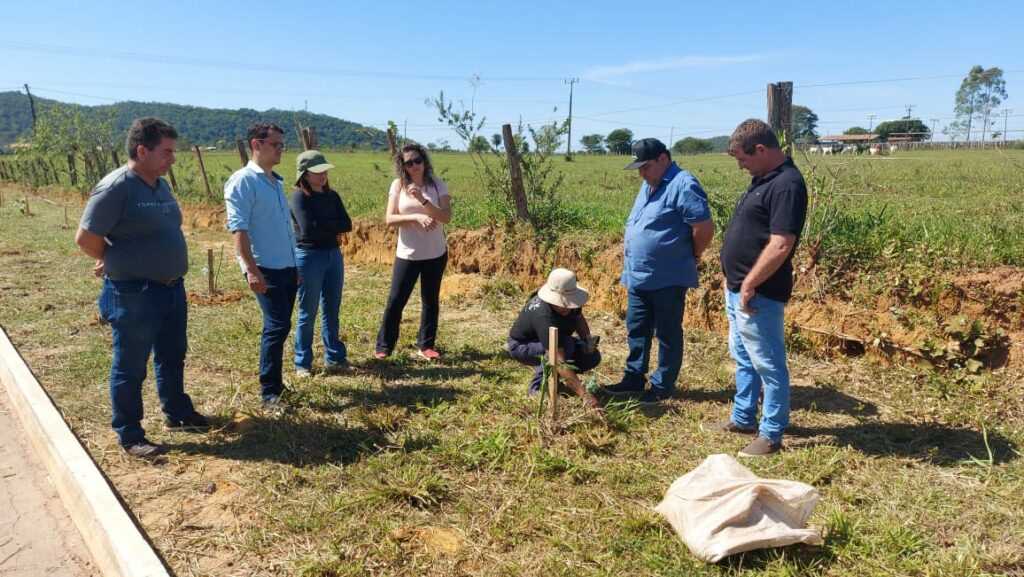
<point x="529" y="353"/>
<point x="145" y="318"/>
<point x="277" y="305"/>
<point x="403" y="278"/>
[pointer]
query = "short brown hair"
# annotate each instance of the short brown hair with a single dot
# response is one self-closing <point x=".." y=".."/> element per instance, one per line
<point x="750" y="133"/>
<point x="149" y="132"/>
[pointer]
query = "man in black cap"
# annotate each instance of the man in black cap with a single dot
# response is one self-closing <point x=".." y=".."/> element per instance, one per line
<point x="666" y="233"/>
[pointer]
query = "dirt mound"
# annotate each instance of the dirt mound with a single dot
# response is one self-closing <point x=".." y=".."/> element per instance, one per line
<point x="897" y="314"/>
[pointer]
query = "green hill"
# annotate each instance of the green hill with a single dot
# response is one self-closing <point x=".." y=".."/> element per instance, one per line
<point x="197" y="125"/>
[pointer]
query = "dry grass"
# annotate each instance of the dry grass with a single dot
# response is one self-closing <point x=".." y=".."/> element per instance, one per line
<point x="402" y="468"/>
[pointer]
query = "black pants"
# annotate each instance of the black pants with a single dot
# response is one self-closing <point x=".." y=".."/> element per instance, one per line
<point x="403" y="279"/>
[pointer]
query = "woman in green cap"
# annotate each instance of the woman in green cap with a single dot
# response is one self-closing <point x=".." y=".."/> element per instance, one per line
<point x="318" y="216"/>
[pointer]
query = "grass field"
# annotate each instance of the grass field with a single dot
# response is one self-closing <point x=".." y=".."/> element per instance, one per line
<point x="401" y="468"/>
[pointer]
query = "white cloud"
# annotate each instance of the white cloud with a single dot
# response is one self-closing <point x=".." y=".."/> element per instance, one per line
<point x="610" y="72"/>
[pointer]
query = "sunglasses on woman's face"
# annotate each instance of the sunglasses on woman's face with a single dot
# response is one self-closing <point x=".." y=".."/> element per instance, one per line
<point x="413" y="161"/>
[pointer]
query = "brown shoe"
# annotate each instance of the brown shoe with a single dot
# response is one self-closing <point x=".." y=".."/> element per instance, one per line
<point x="727" y="426"/>
<point x="760" y="447"/>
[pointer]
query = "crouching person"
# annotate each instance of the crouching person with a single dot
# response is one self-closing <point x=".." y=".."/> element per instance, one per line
<point x="559" y="303"/>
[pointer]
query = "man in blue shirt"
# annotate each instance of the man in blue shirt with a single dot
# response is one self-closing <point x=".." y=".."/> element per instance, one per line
<point x="667" y="231"/>
<point x="132" y="227"/>
<point x="260" y="222"/>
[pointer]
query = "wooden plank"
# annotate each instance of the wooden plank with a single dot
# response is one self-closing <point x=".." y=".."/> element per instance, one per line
<point x="242" y="154"/>
<point x="116" y="543"/>
<point x="553" y="373"/>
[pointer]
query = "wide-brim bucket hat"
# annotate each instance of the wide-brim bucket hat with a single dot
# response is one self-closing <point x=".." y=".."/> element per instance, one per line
<point x="562" y="290"/>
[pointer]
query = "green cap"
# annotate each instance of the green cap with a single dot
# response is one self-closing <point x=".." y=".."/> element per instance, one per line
<point x="311" y="160"/>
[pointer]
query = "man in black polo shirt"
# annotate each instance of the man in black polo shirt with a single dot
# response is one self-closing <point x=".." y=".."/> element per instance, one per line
<point x="132" y="227"/>
<point x="757" y="254"/>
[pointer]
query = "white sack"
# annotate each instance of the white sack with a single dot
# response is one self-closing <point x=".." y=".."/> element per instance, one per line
<point x="721" y="508"/>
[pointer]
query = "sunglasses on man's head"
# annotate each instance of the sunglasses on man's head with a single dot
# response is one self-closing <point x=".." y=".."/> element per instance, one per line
<point x="413" y="161"/>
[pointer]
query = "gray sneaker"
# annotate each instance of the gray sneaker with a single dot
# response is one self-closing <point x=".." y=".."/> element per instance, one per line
<point x="144" y="449"/>
<point x="727" y="426"/>
<point x="275" y="406"/>
<point x="760" y="447"/>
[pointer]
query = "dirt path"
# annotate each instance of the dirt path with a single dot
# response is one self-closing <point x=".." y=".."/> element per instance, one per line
<point x="36" y="535"/>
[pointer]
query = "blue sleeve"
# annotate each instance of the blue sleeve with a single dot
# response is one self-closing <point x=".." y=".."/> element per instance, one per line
<point x="692" y="201"/>
<point x="238" y="200"/>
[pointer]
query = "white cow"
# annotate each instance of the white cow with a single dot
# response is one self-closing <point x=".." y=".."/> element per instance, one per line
<point x="849" y="149"/>
<point x="826" y="149"/>
<point x="812" y="150"/>
<point x="893" y="148"/>
<point x="874" y="150"/>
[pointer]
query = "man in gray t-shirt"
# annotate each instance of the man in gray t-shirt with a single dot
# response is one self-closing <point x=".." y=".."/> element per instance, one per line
<point x="132" y="227"/>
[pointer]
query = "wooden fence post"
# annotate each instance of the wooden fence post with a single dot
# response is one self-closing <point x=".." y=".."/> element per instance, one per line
<point x="515" y="174"/>
<point x="202" y="170"/>
<point x="242" y="154"/>
<point x="304" y="134"/>
<point x="392" y="145"/>
<point x="209" y="270"/>
<point x="553" y="373"/>
<point x="72" y="169"/>
<point x="780" y="107"/>
<point x="174" y="181"/>
<point x="314" y="142"/>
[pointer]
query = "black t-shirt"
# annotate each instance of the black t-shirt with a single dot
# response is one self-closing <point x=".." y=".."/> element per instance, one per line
<point x="774" y="204"/>
<point x="537" y="317"/>
<point x="318" y="219"/>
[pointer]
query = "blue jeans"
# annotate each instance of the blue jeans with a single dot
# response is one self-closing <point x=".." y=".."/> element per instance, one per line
<point x="529" y="354"/>
<point x="323" y="276"/>
<point x="145" y="317"/>
<point x="757" y="344"/>
<point x="277" y="304"/>
<point x="650" y="312"/>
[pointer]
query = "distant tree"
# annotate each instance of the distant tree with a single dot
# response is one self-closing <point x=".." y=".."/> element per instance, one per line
<point x="479" y="144"/>
<point x="497" y="140"/>
<point x="719" y="144"/>
<point x="804" y="124"/>
<point x="980" y="93"/>
<point x="855" y="130"/>
<point x="619" y="141"/>
<point x="905" y="125"/>
<point x="691" y="145"/>
<point x="593" y="143"/>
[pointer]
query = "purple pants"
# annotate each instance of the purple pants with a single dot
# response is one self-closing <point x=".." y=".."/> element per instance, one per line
<point x="529" y="353"/>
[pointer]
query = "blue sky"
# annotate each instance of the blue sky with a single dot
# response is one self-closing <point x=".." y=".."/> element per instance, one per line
<point x="666" y="70"/>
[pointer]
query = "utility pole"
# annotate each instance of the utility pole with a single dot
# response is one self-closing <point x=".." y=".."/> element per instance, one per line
<point x="1006" y="114"/>
<point x="671" y="135"/>
<point x="934" y="121"/>
<point x="871" y="121"/>
<point x="568" y="146"/>
<point x="32" y="103"/>
<point x="910" y="108"/>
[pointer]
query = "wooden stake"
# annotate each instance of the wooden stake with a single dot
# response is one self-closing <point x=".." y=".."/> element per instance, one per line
<point x="780" y="108"/>
<point x="244" y="156"/>
<point x="304" y="133"/>
<point x="72" y="169"/>
<point x="514" y="173"/>
<point x="174" y="181"/>
<point x="553" y="373"/>
<point x="202" y="170"/>
<point x="66" y="225"/>
<point x="113" y="156"/>
<point x="314" y="142"/>
<point x="392" y="145"/>
<point x="209" y="270"/>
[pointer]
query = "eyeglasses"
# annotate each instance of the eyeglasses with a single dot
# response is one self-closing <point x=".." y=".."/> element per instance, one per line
<point x="413" y="161"/>
<point x="279" y="145"/>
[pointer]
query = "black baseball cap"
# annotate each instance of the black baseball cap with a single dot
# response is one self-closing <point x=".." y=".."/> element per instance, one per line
<point x="644" y="150"/>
